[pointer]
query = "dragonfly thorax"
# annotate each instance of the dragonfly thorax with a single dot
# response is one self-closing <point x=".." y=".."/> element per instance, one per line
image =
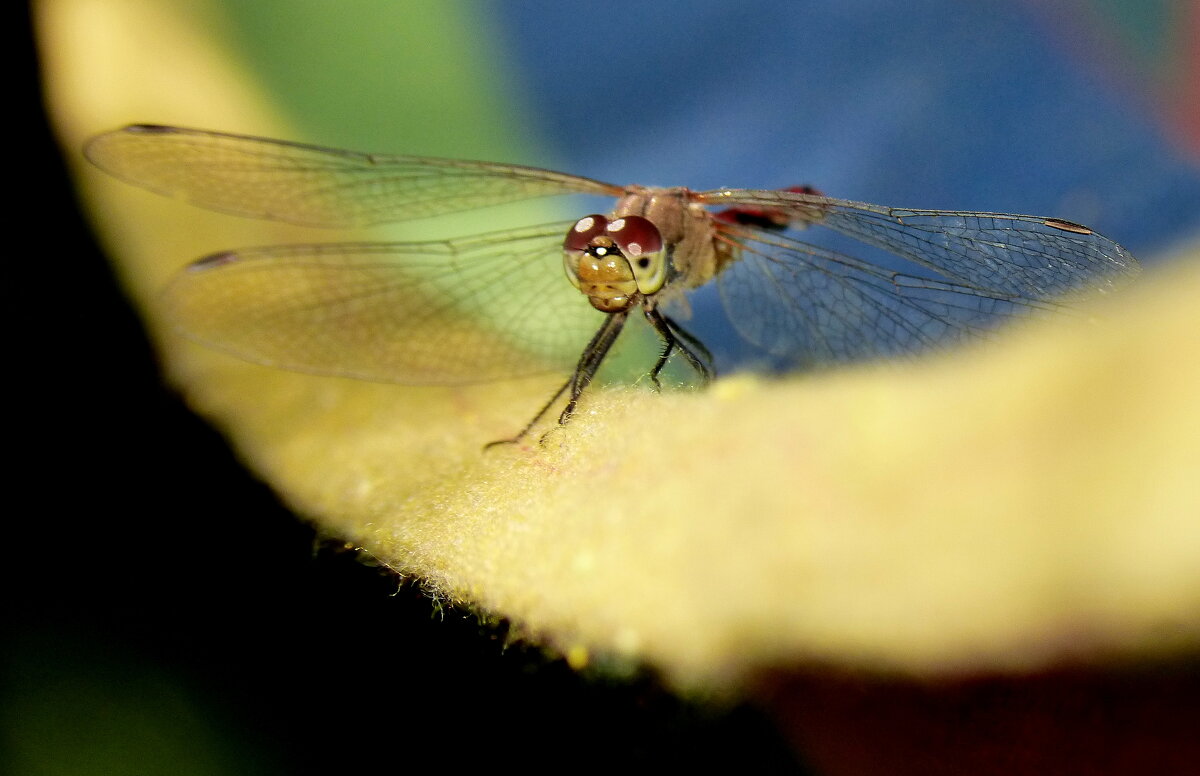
<point x="614" y="263"/>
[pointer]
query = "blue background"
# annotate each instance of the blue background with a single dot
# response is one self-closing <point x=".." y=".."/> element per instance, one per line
<point x="929" y="103"/>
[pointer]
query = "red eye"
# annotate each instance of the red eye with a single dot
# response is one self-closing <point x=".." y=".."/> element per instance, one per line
<point x="635" y="236"/>
<point x="580" y="235"/>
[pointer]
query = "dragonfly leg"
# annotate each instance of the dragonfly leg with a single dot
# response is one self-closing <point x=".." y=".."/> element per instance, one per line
<point x="675" y="337"/>
<point x="590" y="361"/>
<point x="540" y="414"/>
<point x="667" y="348"/>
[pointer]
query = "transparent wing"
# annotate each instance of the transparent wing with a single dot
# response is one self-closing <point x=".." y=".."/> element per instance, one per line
<point x="423" y="313"/>
<point x="1029" y="257"/>
<point x="313" y="186"/>
<point x="808" y="306"/>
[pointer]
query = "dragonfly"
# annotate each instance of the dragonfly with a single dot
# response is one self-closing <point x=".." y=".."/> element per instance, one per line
<point x="497" y="305"/>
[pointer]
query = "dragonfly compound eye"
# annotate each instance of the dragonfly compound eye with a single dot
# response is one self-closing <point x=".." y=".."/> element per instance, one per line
<point x="639" y="239"/>
<point x="577" y="243"/>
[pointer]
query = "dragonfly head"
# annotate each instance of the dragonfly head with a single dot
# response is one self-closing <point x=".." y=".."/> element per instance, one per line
<point x="614" y="262"/>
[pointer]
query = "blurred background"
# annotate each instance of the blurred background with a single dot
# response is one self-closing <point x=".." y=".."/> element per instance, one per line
<point x="255" y="646"/>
